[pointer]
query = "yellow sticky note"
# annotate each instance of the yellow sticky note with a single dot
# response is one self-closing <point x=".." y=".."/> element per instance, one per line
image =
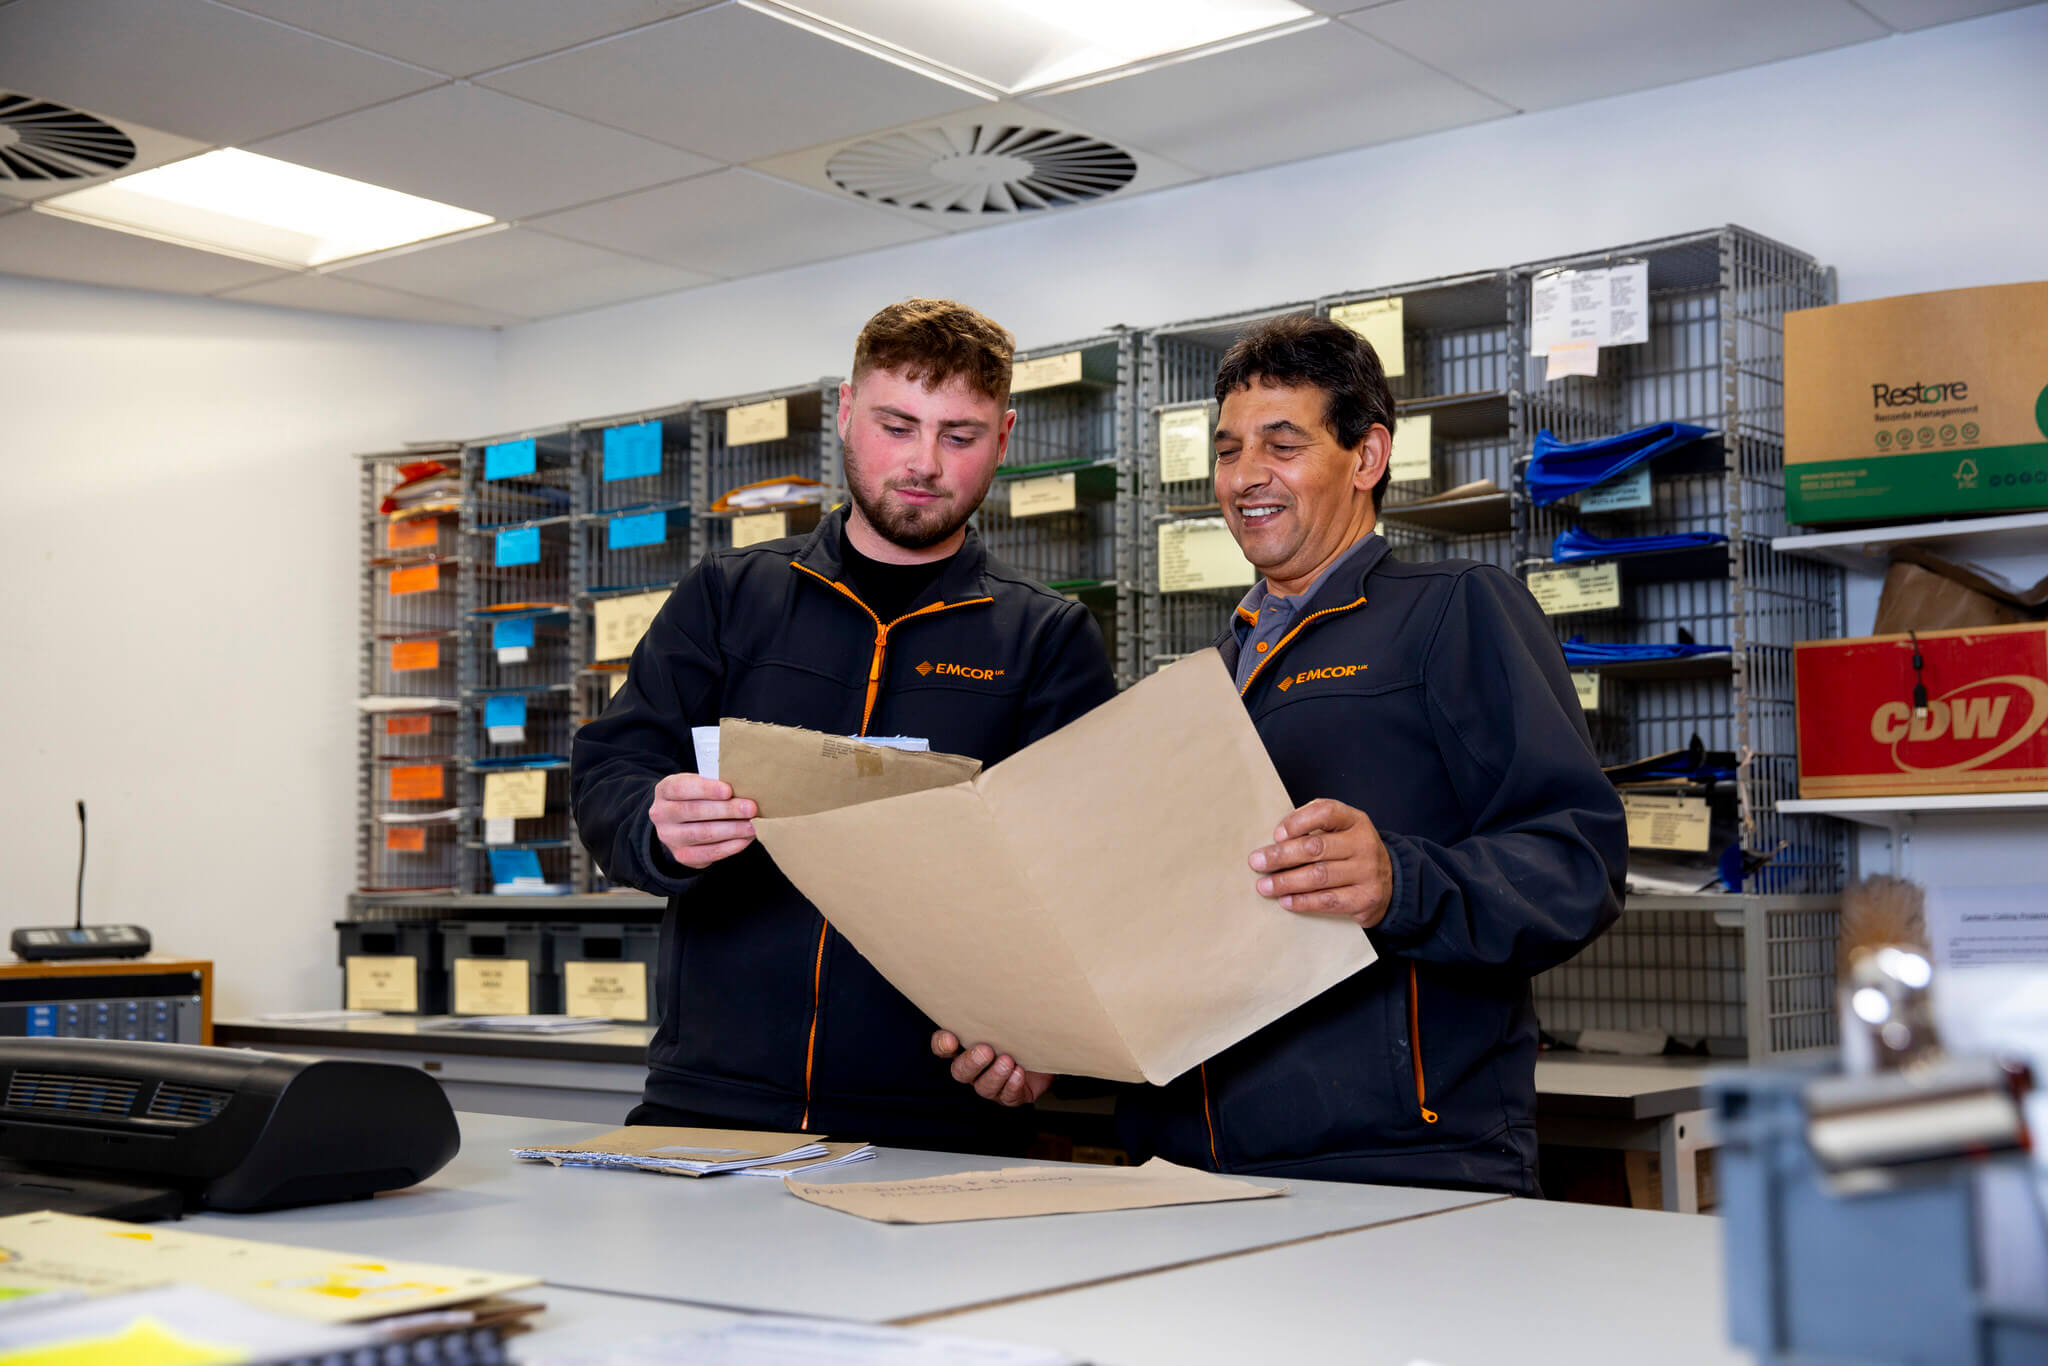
<point x="1410" y="461"/>
<point x="517" y="795"/>
<point x="1577" y="588"/>
<point x="1379" y="321"/>
<point x="751" y="423"/>
<point x="620" y="622"/>
<point x="1201" y="554"/>
<point x="1039" y="497"/>
<point x="1667" y="822"/>
<point x="605" y="990"/>
<point x="616" y="682"/>
<point x="492" y="986"/>
<point x="755" y="527"/>
<point x="1184" y="445"/>
<point x="1045" y="372"/>
<point x="381" y="982"/>
<point x="1587" y="685"/>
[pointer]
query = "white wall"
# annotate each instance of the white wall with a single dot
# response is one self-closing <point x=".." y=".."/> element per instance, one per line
<point x="178" y="560"/>
<point x="1911" y="163"/>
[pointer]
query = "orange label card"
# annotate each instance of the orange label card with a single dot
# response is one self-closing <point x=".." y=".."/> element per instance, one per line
<point x="417" y="783"/>
<point x="415" y="654"/>
<point x="421" y="578"/>
<point x="408" y="725"/>
<point x="412" y="533"/>
<point x="406" y="839"/>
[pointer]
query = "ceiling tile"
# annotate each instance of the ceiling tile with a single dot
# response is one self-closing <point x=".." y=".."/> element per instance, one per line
<point x="190" y="67"/>
<point x="528" y="274"/>
<point x="1539" y="57"/>
<point x="463" y="37"/>
<point x="481" y="150"/>
<point x="733" y="223"/>
<point x="329" y="294"/>
<point x="731" y="83"/>
<point x="41" y="244"/>
<point x="1906" y="15"/>
<point x="1321" y="90"/>
<point x="152" y="148"/>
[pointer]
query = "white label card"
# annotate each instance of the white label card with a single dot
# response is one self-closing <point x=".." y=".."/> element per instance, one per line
<point x="1410" y="462"/>
<point x="1681" y="823"/>
<point x="752" y="423"/>
<point x="1587" y="685"/>
<point x="1201" y="554"/>
<point x="1576" y="588"/>
<point x="513" y="654"/>
<point x="492" y="986"/>
<point x="1596" y="308"/>
<point x="1045" y="372"/>
<point x="498" y="830"/>
<point x="605" y="990"/>
<point x="381" y="982"/>
<point x="1042" y="496"/>
<point x="1184" y="445"/>
<point x="1379" y="321"/>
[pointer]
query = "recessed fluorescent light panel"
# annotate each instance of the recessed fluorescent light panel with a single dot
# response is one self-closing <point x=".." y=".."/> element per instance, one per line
<point x="1020" y="45"/>
<point x="261" y="209"/>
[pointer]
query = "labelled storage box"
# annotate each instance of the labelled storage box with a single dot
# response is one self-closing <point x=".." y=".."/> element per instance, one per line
<point x="608" y="971"/>
<point x="393" y="966"/>
<point x="498" y="967"/>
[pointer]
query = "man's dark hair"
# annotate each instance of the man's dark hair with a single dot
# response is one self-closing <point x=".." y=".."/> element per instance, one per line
<point x="1300" y="349"/>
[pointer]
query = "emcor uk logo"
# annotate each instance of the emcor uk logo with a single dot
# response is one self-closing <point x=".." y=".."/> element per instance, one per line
<point x="1316" y="675"/>
<point x="927" y="669"/>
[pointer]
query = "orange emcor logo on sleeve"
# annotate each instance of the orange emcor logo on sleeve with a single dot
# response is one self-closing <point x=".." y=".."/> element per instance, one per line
<point x="1317" y="675"/>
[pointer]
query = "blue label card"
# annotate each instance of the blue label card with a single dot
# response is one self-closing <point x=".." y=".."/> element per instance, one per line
<point x="509" y="634"/>
<point x="510" y="864"/>
<point x="505" y="711"/>
<point x="519" y="545"/>
<point x="632" y="452"/>
<point x="642" y="528"/>
<point x="508" y="459"/>
<point x="1620" y="494"/>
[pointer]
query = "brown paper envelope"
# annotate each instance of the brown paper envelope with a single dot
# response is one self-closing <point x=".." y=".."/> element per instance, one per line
<point x="1085" y="904"/>
<point x="648" y="1140"/>
<point x="790" y="772"/>
<point x="1014" y="1192"/>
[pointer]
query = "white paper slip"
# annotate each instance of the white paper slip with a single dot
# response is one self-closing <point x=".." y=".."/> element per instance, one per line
<point x="384" y="704"/>
<point x="705" y="740"/>
<point x="319" y="1016"/>
<point x="445" y="816"/>
<point x="862" y="1153"/>
<point x="521" y="1024"/>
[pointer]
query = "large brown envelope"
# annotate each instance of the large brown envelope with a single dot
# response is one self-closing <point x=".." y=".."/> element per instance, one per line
<point x="1085" y="904"/>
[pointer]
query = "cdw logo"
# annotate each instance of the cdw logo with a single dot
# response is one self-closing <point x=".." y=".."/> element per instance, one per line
<point x="1980" y="713"/>
<point x="1314" y="675"/>
<point x="927" y="668"/>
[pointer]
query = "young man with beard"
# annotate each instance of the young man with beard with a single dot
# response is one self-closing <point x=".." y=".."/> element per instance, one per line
<point x="771" y="1020"/>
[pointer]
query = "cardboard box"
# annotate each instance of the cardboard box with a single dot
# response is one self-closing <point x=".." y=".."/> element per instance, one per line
<point x="1924" y="405"/>
<point x="1985" y="727"/>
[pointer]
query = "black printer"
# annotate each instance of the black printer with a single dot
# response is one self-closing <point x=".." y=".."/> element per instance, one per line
<point x="150" y="1130"/>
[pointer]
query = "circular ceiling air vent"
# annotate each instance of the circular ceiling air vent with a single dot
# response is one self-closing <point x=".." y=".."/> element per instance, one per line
<point x="985" y="168"/>
<point x="44" y="141"/>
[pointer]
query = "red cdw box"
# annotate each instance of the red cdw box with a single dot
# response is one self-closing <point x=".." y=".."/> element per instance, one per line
<point x="1985" y="728"/>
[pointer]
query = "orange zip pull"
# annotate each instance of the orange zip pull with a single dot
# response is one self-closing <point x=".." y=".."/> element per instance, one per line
<point x="1415" y="1046"/>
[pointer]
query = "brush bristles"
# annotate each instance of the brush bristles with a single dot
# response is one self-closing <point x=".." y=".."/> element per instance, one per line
<point x="1879" y="911"/>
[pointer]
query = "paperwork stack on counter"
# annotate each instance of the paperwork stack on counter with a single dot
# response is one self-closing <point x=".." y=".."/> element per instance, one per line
<point x="521" y="1024"/>
<point x="1108" y="859"/>
<point x="701" y="1152"/>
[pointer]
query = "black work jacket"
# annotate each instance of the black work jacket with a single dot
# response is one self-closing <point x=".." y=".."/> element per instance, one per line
<point x="773" y="1021"/>
<point x="1434" y="698"/>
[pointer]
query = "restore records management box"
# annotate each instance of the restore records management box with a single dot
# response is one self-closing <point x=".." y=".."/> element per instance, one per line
<point x="1919" y="406"/>
<point x="1985" y="727"/>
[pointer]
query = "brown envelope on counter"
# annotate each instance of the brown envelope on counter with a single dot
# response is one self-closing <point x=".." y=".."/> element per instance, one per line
<point x="1084" y="904"/>
<point x="1014" y="1192"/>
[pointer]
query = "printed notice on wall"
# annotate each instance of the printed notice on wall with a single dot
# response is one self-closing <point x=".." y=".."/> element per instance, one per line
<point x="755" y="527"/>
<point x="491" y="986"/>
<point x="1201" y="554"/>
<point x="1978" y="926"/>
<point x="1039" y="497"/>
<point x="1576" y="588"/>
<point x="1184" y="445"/>
<point x="381" y="982"/>
<point x="1379" y="321"/>
<point x="1605" y="307"/>
<point x="1410" y="460"/>
<point x="605" y="990"/>
<point x="620" y="622"/>
<point x="1045" y="372"/>
<point x="1667" y="822"/>
<point x="518" y="795"/>
<point x="1587" y="685"/>
<point x="752" y="423"/>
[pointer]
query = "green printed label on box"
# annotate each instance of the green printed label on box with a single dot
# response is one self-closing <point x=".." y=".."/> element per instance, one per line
<point x="1915" y="484"/>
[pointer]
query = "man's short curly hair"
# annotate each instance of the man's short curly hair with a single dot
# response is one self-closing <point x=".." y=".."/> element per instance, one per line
<point x="933" y="341"/>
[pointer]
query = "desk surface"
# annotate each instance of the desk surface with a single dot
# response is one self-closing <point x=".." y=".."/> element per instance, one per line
<point x="743" y="1242"/>
<point x="1520" y="1281"/>
<point x="1618" y="1088"/>
<point x="581" y="1321"/>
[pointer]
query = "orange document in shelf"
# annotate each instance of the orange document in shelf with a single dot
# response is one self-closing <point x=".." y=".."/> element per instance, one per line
<point x="417" y="783"/>
<point x="408" y="725"/>
<point x="412" y="533"/>
<point x="419" y="578"/>
<point x="406" y="839"/>
<point x="407" y="655"/>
